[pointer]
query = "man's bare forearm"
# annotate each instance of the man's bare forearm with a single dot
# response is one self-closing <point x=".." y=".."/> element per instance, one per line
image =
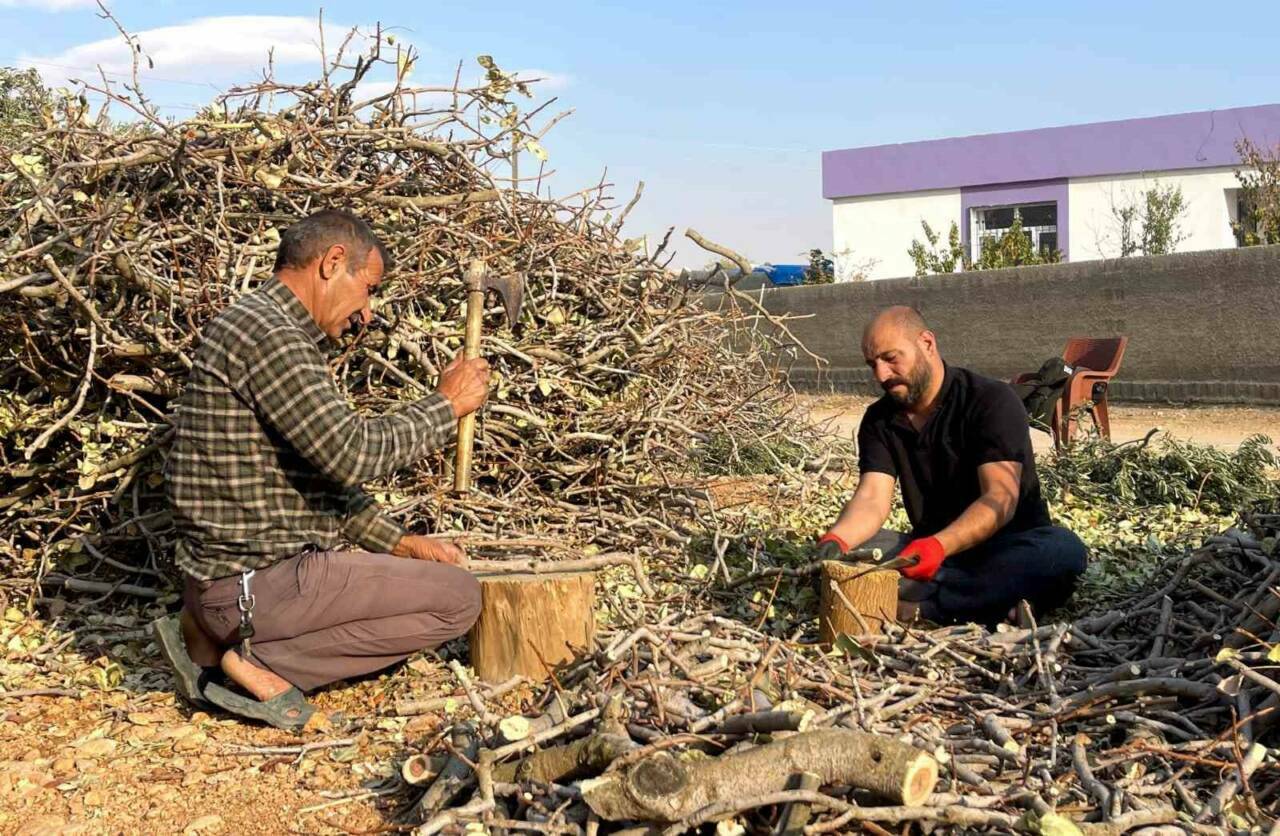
<point x="990" y="512"/>
<point x="979" y="522"/>
<point x="861" y="519"/>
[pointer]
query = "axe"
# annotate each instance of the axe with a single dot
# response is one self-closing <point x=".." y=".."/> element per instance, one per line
<point x="478" y="282"/>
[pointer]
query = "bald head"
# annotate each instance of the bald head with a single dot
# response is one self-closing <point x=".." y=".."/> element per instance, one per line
<point x="902" y="354"/>
<point x="900" y="321"/>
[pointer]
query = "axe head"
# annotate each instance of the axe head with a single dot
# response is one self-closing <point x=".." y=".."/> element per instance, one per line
<point x="510" y="287"/>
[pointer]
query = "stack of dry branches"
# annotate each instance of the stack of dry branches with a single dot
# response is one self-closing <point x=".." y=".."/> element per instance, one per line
<point x="1121" y="722"/>
<point x="119" y="241"/>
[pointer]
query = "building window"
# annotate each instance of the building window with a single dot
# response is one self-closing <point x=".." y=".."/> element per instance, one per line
<point x="1039" y="221"/>
<point x="1244" y="220"/>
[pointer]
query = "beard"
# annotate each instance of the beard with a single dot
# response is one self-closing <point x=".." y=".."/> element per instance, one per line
<point x="354" y="323"/>
<point x="917" y="382"/>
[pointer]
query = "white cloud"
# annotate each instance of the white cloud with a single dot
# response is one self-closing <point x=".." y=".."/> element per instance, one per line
<point x="366" y="90"/>
<point x="217" y="52"/>
<point x="204" y="49"/>
<point x="47" y="5"/>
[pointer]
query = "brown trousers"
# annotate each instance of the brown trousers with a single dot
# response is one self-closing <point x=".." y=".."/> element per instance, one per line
<point x="324" y="616"/>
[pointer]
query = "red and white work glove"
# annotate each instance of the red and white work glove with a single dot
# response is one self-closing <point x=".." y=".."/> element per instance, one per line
<point x="929" y="554"/>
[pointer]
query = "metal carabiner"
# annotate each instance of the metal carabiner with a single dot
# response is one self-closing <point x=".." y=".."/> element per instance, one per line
<point x="245" y="603"/>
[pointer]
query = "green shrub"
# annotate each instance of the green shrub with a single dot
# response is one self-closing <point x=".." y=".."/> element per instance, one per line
<point x="1142" y="474"/>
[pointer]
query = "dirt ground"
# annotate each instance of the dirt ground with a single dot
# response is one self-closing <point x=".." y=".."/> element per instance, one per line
<point x="80" y="758"/>
<point x="98" y="744"/>
<point x="1221" y="426"/>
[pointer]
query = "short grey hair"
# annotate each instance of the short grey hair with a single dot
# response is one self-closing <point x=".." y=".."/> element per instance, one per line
<point x="309" y="239"/>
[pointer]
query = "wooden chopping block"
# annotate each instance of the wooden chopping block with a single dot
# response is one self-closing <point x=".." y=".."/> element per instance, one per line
<point x="873" y="594"/>
<point x="529" y="623"/>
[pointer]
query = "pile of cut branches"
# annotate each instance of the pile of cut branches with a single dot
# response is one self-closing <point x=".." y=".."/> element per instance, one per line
<point x="118" y="241"/>
<point x="1163" y="471"/>
<point x="1165" y="714"/>
<point x="613" y="396"/>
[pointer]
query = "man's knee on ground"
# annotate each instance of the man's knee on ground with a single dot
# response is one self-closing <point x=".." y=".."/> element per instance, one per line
<point x="1069" y="557"/>
<point x="1071" y="552"/>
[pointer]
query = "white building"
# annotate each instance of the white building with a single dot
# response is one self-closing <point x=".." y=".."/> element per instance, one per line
<point x="1066" y="183"/>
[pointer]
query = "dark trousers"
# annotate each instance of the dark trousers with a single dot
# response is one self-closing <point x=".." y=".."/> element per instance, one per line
<point x="324" y="616"/>
<point x="984" y="583"/>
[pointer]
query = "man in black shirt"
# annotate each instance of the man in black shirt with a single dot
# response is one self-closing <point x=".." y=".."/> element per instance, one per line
<point x="960" y="446"/>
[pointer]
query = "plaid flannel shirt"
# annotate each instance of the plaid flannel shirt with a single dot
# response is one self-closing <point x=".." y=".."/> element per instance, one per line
<point x="268" y="457"/>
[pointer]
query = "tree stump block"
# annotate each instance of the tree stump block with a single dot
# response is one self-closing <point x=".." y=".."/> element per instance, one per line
<point x="873" y="596"/>
<point x="662" y="787"/>
<point x="529" y="623"/>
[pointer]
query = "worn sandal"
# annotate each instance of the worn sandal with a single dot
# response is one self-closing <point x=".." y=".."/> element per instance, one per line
<point x="289" y="711"/>
<point x="189" y="679"/>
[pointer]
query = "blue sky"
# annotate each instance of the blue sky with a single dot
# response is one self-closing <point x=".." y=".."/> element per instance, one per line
<point x="721" y="108"/>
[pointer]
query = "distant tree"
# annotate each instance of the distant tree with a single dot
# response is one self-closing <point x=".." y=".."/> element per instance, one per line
<point x="1126" y="218"/>
<point x="1152" y="224"/>
<point x="23" y="103"/>
<point x="1259" y="222"/>
<point x="935" y="259"/>
<point x="821" y="269"/>
<point x="1162" y="213"/>
<point x="1014" y="248"/>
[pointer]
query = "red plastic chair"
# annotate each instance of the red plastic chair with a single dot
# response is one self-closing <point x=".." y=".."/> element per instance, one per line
<point x="1096" y="360"/>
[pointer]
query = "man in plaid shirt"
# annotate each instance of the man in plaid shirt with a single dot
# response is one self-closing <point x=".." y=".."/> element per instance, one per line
<point x="264" y="483"/>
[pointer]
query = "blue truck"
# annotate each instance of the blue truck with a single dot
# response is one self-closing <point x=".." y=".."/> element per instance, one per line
<point x="762" y="275"/>
<point x="783" y="275"/>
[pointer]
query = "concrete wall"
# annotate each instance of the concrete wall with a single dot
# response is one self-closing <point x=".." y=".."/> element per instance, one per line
<point x="1201" y="326"/>
<point x="1210" y="195"/>
<point x="872" y="234"/>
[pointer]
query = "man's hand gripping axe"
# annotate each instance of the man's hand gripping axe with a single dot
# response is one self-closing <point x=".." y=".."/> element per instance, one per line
<point x="511" y="288"/>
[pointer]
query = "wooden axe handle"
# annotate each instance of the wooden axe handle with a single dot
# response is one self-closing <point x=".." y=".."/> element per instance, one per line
<point x="467" y="423"/>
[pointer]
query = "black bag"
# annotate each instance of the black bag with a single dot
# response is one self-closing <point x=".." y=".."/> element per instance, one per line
<point x="1040" y="391"/>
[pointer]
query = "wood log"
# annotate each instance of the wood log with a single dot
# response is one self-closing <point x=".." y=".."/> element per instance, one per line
<point x="664" y="788"/>
<point x="766" y="722"/>
<point x="561" y="764"/>
<point x="873" y="596"/>
<point x="419" y="769"/>
<point x="1259" y="621"/>
<point x="455" y="775"/>
<point x="529" y="623"/>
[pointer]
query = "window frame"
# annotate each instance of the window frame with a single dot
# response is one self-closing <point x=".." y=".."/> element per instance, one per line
<point x="978" y="231"/>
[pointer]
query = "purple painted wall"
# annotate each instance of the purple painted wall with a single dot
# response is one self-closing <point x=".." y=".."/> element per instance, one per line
<point x="1162" y="143"/>
<point x="1054" y="191"/>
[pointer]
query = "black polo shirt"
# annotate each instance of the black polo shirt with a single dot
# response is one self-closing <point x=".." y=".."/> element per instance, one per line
<point x="976" y="420"/>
